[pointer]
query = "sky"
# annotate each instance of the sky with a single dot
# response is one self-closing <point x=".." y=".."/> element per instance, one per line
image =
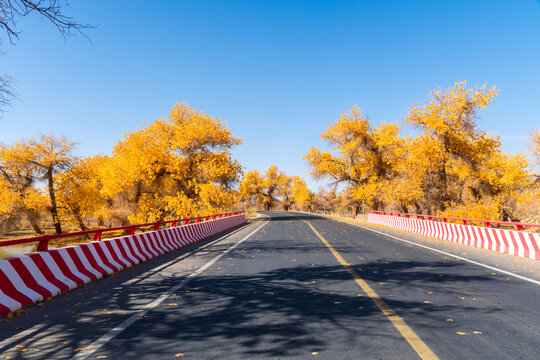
<point x="279" y="72"/>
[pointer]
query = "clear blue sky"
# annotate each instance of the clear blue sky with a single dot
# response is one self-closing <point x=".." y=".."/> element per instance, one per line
<point x="278" y="71"/>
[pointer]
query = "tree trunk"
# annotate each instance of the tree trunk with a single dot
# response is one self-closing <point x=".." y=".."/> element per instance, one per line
<point x="79" y="219"/>
<point x="54" y="208"/>
<point x="33" y="222"/>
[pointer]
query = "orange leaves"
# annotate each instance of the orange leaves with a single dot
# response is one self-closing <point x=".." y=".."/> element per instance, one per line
<point x="177" y="166"/>
<point x="267" y="189"/>
<point x="449" y="166"/>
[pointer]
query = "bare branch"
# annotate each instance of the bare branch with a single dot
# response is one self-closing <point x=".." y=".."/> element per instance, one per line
<point x="12" y="10"/>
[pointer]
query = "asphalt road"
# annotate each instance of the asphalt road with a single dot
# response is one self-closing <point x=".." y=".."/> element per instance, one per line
<point x="275" y="289"/>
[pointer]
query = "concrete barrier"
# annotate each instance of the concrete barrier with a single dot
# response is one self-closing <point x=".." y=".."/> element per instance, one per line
<point x="37" y="276"/>
<point x="511" y="242"/>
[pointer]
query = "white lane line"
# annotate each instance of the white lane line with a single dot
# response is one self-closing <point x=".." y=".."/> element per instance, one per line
<point x="96" y="345"/>
<point x="447" y="254"/>
<point x="177" y="260"/>
<point x="23" y="334"/>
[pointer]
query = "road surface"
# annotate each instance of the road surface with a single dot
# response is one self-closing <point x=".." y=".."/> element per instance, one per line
<point x="289" y="286"/>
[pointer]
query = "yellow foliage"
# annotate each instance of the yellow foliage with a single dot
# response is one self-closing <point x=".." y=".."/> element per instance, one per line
<point x="274" y="186"/>
<point x="301" y="195"/>
<point x="178" y="166"/>
<point x="449" y="166"/>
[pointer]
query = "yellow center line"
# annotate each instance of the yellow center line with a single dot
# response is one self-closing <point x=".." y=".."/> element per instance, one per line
<point x="414" y="340"/>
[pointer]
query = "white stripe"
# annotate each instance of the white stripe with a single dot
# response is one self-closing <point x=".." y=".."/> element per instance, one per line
<point x="71" y="265"/>
<point x="108" y="255"/>
<point x="132" y="241"/>
<point x="38" y="275"/>
<point x="452" y="255"/>
<point x="143" y="246"/>
<point x="100" y="263"/>
<point x="118" y="252"/>
<point x="161" y="239"/>
<point x="86" y="263"/>
<point x="155" y="243"/>
<point x="58" y="274"/>
<point x="149" y="245"/>
<point x="122" y="242"/>
<point x="164" y="237"/>
<point x="9" y="302"/>
<point x="17" y="281"/>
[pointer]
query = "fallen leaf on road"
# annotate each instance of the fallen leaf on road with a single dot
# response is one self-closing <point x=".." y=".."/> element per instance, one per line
<point x="173" y="304"/>
<point x="78" y="350"/>
<point x="427" y="302"/>
<point x="314" y="353"/>
<point x="179" y="355"/>
<point x="19" y="328"/>
<point x="449" y="319"/>
<point x="477" y="332"/>
<point x="461" y="333"/>
<point x="102" y="357"/>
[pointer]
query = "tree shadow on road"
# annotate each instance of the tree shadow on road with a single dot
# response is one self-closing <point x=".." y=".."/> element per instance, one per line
<point x="285" y="312"/>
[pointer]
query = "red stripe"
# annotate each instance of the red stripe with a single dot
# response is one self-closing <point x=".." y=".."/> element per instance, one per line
<point x="158" y="241"/>
<point x="149" y="245"/>
<point x="168" y="235"/>
<point x="4" y="309"/>
<point x="133" y="249"/>
<point x="44" y="268"/>
<point x="116" y="257"/>
<point x="27" y="278"/>
<point x="9" y="289"/>
<point x="514" y="242"/>
<point x="103" y="257"/>
<point x="123" y="251"/>
<point x="64" y="268"/>
<point x="171" y="234"/>
<point x="144" y="246"/>
<point x="535" y="247"/>
<point x="79" y="264"/>
<point x="524" y="244"/>
<point x="136" y="241"/>
<point x="92" y="260"/>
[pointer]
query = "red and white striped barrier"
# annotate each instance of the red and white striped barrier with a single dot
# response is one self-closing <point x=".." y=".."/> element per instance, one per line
<point x="33" y="277"/>
<point x="511" y="242"/>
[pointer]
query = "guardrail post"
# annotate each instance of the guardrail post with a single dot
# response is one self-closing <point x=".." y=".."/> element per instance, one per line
<point x="173" y="224"/>
<point x="97" y="236"/>
<point x="519" y="227"/>
<point x="131" y="230"/>
<point x="43" y="244"/>
<point x="156" y="227"/>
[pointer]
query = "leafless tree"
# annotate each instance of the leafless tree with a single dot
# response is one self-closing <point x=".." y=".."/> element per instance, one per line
<point x="11" y="11"/>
